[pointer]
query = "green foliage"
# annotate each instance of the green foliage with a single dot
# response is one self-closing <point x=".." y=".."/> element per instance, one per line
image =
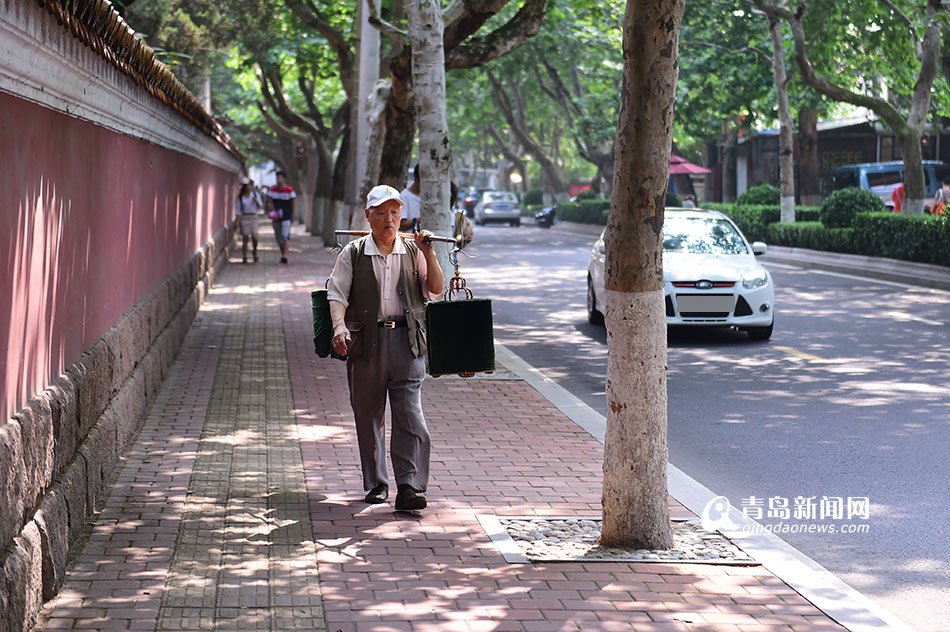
<point x="841" y="207"/>
<point x="814" y="235"/>
<point x="672" y="199"/>
<point x="751" y="220"/>
<point x="586" y="195"/>
<point x="533" y="196"/>
<point x="586" y="212"/>
<point x="807" y="213"/>
<point x="921" y="238"/>
<point x="721" y="77"/>
<point x="761" y="194"/>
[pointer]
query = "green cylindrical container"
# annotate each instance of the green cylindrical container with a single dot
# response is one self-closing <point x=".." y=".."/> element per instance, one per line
<point x="322" y="326"/>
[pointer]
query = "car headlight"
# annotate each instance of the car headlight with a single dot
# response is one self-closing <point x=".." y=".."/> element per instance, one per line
<point x="755" y="279"/>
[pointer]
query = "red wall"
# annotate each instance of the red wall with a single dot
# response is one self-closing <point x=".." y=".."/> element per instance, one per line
<point x="90" y="222"/>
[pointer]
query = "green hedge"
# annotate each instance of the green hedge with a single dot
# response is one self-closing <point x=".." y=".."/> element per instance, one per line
<point x="814" y="235"/>
<point x="840" y="209"/>
<point x="761" y="195"/>
<point x="921" y="238"/>
<point x="533" y="196"/>
<point x="584" y="212"/>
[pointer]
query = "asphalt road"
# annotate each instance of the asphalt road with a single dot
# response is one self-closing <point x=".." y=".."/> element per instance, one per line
<point x="849" y="399"/>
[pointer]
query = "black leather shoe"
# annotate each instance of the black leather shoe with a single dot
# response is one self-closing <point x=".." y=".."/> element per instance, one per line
<point x="408" y="499"/>
<point x="377" y="495"/>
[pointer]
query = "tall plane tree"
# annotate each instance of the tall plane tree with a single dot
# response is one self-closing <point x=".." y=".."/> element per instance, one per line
<point x="635" y="497"/>
<point x="462" y="49"/>
<point x="922" y="29"/>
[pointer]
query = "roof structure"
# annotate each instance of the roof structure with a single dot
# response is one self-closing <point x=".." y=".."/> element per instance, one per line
<point x="99" y="26"/>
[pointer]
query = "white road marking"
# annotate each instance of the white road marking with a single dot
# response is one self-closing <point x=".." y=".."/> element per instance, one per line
<point x="903" y="316"/>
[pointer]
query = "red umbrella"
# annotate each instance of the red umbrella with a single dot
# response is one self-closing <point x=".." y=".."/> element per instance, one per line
<point x="679" y="165"/>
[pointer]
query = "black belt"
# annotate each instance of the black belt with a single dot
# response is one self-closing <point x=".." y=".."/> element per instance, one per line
<point x="392" y="324"/>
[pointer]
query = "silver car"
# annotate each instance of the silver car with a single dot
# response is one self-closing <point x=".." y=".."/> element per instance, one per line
<point x="710" y="275"/>
<point x="498" y="206"/>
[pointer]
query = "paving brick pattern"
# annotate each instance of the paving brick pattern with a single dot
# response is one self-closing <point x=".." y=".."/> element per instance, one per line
<point x="226" y="509"/>
<point x="498" y="448"/>
<point x="245" y="558"/>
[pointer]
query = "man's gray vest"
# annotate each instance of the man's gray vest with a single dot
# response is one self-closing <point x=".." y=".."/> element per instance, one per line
<point x="363" y="311"/>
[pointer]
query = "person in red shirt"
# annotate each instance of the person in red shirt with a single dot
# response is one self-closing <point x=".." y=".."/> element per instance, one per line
<point x="898" y="197"/>
<point x="280" y="206"/>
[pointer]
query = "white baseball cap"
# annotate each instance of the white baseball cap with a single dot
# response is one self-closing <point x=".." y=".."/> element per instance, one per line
<point x="382" y="193"/>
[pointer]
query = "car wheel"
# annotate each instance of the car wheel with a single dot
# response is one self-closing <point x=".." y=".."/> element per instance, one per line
<point x="516" y="223"/>
<point x="760" y="333"/>
<point x="594" y="317"/>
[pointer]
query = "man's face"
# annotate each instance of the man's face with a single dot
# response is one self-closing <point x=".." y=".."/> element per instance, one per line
<point x="384" y="220"/>
<point x="281" y="181"/>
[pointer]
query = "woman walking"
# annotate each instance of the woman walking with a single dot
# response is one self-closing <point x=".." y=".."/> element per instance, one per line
<point x="248" y="205"/>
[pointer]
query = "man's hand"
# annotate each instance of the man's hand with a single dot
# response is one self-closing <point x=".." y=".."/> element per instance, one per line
<point x="341" y="340"/>
<point x="423" y="242"/>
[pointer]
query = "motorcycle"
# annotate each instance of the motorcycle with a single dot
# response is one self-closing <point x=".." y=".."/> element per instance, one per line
<point x="545" y="217"/>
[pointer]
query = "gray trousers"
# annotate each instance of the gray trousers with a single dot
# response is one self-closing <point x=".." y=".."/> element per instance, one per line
<point x="394" y="371"/>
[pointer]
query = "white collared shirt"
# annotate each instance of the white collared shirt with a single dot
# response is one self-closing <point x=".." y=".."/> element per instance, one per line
<point x="386" y="268"/>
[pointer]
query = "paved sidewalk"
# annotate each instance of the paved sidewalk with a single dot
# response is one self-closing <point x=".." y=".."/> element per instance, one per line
<point x="239" y="505"/>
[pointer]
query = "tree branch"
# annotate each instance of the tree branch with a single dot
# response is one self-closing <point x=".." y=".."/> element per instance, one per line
<point x="819" y="82"/>
<point x="308" y="13"/>
<point x="312" y="109"/>
<point x="504" y="147"/>
<point x="397" y="35"/>
<point x="912" y="30"/>
<point x="281" y="129"/>
<point x="273" y="91"/>
<point x="729" y="51"/>
<point x="480" y="50"/>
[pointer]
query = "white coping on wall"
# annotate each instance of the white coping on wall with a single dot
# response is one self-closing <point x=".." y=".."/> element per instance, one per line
<point x="815" y="583"/>
<point x="42" y="62"/>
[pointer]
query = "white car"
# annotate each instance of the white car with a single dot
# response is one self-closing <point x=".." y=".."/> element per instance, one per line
<point x="710" y="275"/>
<point x="498" y="206"/>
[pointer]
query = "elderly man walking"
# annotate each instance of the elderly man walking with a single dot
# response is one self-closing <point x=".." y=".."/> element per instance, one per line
<point x="377" y="292"/>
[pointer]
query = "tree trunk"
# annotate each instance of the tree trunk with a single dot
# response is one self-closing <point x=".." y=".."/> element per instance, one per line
<point x="809" y="181"/>
<point x="428" y="81"/>
<point x="552" y="176"/>
<point x="729" y="167"/>
<point x="635" y="496"/>
<point x="914" y="190"/>
<point x="323" y="209"/>
<point x="204" y="76"/>
<point x="376" y="123"/>
<point x="400" y="130"/>
<point x="335" y="216"/>
<point x="786" y="151"/>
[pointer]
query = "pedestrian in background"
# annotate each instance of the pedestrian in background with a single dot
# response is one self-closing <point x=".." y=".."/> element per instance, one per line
<point x="410" y="195"/>
<point x="280" y="205"/>
<point x="377" y="293"/>
<point x="247" y="207"/>
<point x="897" y="197"/>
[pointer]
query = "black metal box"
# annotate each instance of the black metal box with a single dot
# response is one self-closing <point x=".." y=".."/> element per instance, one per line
<point x="460" y="337"/>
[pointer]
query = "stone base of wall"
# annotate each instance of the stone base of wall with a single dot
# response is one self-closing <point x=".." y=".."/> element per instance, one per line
<point x="58" y="453"/>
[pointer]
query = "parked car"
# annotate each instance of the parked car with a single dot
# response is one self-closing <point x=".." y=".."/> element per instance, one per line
<point x="498" y="206"/>
<point x="710" y="275"/>
<point x="882" y="178"/>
